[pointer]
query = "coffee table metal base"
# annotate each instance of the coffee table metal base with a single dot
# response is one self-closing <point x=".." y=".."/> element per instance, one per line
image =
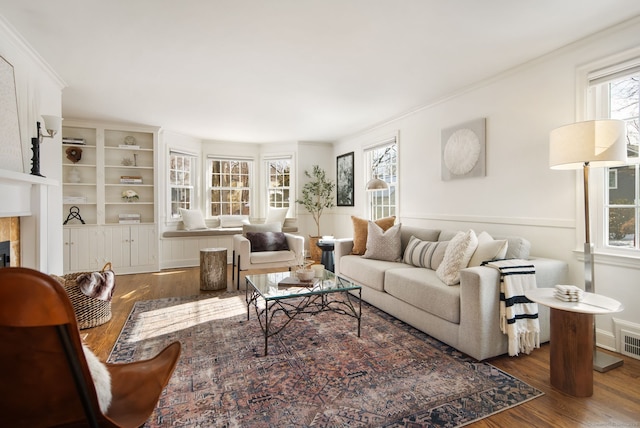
<point x="337" y="301"/>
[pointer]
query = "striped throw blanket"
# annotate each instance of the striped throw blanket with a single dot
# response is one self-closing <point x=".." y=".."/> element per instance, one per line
<point x="518" y="315"/>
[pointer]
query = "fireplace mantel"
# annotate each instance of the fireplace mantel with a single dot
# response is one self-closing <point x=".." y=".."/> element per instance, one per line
<point x="27" y="197"/>
<point x="15" y="189"/>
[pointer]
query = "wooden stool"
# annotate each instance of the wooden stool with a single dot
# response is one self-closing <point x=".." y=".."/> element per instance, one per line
<point x="213" y="268"/>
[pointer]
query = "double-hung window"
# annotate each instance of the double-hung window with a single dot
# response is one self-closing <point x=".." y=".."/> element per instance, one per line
<point x="614" y="92"/>
<point x="182" y="182"/>
<point x="229" y="186"/>
<point x="278" y="182"/>
<point x="381" y="161"/>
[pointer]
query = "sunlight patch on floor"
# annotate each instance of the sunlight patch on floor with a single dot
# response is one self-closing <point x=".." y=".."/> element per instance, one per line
<point x="182" y="316"/>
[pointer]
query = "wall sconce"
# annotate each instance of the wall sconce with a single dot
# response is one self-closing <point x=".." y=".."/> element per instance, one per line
<point x="52" y="127"/>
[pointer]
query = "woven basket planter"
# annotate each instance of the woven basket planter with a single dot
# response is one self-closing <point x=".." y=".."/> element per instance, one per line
<point x="90" y="312"/>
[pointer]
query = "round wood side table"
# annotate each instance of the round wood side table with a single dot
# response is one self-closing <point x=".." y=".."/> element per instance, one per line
<point x="213" y="268"/>
<point x="572" y="338"/>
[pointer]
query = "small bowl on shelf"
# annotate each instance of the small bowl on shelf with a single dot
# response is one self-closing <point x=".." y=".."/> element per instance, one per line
<point x="305" y="274"/>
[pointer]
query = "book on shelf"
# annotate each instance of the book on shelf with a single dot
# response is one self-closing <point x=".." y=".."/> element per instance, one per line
<point x="74" y="199"/>
<point x="129" y="221"/>
<point x="131" y="179"/>
<point x="70" y="140"/>
<point x="129" y="216"/>
<point x="129" y="146"/>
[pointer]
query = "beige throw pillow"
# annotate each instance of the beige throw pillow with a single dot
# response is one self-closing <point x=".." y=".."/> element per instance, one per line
<point x="383" y="244"/>
<point x="425" y="254"/>
<point x="488" y="249"/>
<point x="457" y="256"/>
<point x="360" y="229"/>
<point x="234" y="220"/>
<point x="277" y="215"/>
<point x="192" y="219"/>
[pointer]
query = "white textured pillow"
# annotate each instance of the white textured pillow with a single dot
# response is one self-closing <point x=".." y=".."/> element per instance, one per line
<point x="192" y="219"/>
<point x="233" y="220"/>
<point x="426" y="254"/>
<point x="457" y="256"/>
<point x="101" y="378"/>
<point x="277" y="215"/>
<point x="488" y="249"/>
<point x="383" y="244"/>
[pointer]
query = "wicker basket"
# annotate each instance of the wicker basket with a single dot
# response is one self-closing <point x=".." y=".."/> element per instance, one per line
<point x="90" y="312"/>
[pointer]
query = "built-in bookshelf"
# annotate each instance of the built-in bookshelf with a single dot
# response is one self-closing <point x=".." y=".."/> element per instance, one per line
<point x="109" y="180"/>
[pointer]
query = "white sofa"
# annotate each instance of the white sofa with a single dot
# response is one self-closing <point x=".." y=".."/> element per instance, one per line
<point x="464" y="316"/>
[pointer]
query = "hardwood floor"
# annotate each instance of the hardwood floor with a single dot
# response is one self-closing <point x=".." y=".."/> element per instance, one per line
<point x="615" y="401"/>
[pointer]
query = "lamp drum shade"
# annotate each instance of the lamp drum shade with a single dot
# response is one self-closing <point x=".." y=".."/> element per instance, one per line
<point x="601" y="143"/>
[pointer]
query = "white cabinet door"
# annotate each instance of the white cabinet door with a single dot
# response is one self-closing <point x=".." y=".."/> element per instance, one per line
<point x="81" y="250"/>
<point x="144" y="245"/>
<point x="118" y="247"/>
<point x="131" y="248"/>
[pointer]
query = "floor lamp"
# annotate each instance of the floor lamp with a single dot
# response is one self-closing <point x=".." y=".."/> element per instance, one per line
<point x="594" y="143"/>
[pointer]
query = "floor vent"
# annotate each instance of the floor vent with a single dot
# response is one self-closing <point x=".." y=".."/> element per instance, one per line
<point x="630" y="344"/>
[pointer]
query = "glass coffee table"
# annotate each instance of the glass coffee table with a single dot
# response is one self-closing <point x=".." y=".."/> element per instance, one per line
<point x="278" y="298"/>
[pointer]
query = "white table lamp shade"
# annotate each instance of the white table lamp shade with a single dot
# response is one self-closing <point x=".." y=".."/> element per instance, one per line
<point x="602" y="143"/>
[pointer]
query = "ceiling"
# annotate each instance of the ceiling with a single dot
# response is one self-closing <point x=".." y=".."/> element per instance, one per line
<point x="287" y="70"/>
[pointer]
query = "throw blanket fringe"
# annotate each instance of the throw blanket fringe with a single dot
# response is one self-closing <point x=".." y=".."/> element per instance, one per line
<point x="518" y="315"/>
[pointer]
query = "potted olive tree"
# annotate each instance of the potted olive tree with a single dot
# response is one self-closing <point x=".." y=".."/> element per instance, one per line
<point x="317" y="195"/>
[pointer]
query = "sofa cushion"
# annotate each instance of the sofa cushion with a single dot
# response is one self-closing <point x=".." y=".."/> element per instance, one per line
<point x="383" y="244"/>
<point x="457" y="256"/>
<point x="367" y="272"/>
<point x="272" y="257"/>
<point x="425" y="254"/>
<point x="488" y="249"/>
<point x="423" y="289"/>
<point x="360" y="231"/>
<point x="267" y="241"/>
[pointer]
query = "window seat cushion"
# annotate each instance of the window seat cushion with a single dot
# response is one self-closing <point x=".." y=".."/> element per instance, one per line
<point x="217" y="231"/>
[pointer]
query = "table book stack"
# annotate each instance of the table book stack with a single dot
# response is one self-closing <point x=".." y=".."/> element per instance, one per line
<point x="130" y="179"/>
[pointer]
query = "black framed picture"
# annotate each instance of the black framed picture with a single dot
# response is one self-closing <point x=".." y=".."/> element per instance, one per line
<point x="344" y="171"/>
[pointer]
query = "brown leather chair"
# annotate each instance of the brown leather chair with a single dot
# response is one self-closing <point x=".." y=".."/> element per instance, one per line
<point x="44" y="376"/>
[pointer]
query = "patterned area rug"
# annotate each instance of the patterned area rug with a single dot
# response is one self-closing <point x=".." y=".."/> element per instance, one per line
<point x="318" y="372"/>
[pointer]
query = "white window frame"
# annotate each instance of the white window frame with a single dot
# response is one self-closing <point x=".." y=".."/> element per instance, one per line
<point x="290" y="188"/>
<point x="386" y="173"/>
<point x="209" y="187"/>
<point x="193" y="186"/>
<point x="593" y="103"/>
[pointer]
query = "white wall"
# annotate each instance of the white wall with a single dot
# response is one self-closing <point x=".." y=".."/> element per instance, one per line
<point x="310" y="154"/>
<point x="39" y="92"/>
<point x="519" y="194"/>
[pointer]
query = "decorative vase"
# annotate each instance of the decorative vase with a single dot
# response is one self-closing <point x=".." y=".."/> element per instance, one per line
<point x="315" y="253"/>
<point x="74" y="175"/>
